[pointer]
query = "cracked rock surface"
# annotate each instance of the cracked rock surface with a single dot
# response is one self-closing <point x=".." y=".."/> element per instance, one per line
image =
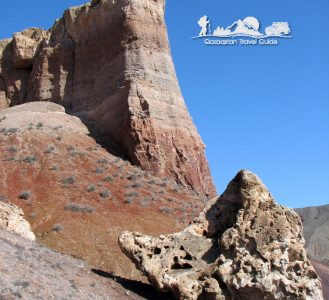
<point x="12" y="219"/>
<point x="243" y="245"/>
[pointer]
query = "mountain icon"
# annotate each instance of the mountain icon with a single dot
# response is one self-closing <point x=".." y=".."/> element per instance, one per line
<point x="248" y="27"/>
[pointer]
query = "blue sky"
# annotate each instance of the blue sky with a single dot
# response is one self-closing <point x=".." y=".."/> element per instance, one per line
<point x="262" y="108"/>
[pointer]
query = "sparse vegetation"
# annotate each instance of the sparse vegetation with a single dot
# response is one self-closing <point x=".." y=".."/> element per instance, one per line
<point x="33" y="215"/>
<point x="39" y="125"/>
<point x="74" y="207"/>
<point x="91" y="188"/>
<point x="129" y="201"/>
<point x="12" y="149"/>
<point x="108" y="179"/>
<point x="54" y="168"/>
<point x="136" y="185"/>
<point x="50" y="149"/>
<point x="105" y="194"/>
<point x="132" y="194"/>
<point x="99" y="170"/>
<point x="166" y="210"/>
<point x="69" y="180"/>
<point x="57" y="228"/>
<point x="30" y="159"/>
<point x="102" y="161"/>
<point x="25" y="195"/>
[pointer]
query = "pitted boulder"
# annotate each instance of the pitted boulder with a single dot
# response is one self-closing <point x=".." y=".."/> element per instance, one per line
<point x="243" y="245"/>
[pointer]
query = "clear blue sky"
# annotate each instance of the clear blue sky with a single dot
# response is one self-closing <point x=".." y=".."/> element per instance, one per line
<point x="265" y="109"/>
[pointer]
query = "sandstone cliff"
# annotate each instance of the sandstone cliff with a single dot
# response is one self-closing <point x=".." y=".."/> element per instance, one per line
<point x="242" y="246"/>
<point x="109" y="63"/>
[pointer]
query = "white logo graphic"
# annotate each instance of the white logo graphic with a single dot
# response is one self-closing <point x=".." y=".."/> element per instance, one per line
<point x="249" y="27"/>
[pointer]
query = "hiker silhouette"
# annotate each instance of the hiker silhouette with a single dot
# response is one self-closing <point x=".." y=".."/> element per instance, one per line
<point x="203" y="23"/>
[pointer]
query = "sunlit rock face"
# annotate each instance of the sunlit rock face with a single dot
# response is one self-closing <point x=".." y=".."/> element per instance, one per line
<point x="243" y="245"/>
<point x="109" y="63"/>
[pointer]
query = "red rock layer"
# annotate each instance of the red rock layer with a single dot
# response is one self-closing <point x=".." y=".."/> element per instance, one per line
<point x="109" y="63"/>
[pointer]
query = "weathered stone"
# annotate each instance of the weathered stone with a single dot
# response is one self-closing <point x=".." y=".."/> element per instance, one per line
<point x="12" y="219"/>
<point x="109" y="63"/>
<point x="242" y="246"/>
<point x="26" y="45"/>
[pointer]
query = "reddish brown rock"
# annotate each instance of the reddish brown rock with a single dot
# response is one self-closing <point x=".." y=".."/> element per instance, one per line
<point x="109" y="63"/>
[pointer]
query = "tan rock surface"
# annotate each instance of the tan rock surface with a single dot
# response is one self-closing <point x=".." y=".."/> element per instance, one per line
<point x="109" y="63"/>
<point x="242" y="246"/>
<point x="12" y="219"/>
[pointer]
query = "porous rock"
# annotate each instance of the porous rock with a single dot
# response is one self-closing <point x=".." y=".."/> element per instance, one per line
<point x="12" y="219"/>
<point x="243" y="245"/>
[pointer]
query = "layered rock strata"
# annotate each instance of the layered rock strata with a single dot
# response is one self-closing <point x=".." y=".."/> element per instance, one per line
<point x="109" y="63"/>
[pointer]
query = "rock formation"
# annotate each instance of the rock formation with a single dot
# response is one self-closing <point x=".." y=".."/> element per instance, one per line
<point x="109" y="63"/>
<point x="12" y="219"/>
<point x="77" y="196"/>
<point x="242" y="246"/>
<point x="316" y="228"/>
<point x="30" y="271"/>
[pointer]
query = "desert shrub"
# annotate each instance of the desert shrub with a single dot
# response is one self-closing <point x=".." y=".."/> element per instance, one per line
<point x="99" y="170"/>
<point x="136" y="185"/>
<point x="57" y="228"/>
<point x="129" y="201"/>
<point x="74" y="207"/>
<point x="152" y="181"/>
<point x="25" y="195"/>
<point x="145" y="202"/>
<point x="108" y="179"/>
<point x="102" y="161"/>
<point x="162" y="192"/>
<point x="165" y="210"/>
<point x="59" y="138"/>
<point x="50" y="149"/>
<point x="12" y="149"/>
<point x="54" y="168"/>
<point x="91" y="188"/>
<point x="69" y="180"/>
<point x="132" y="177"/>
<point x="33" y="215"/>
<point x="30" y="159"/>
<point x="105" y="194"/>
<point x="39" y="125"/>
<point x="132" y="194"/>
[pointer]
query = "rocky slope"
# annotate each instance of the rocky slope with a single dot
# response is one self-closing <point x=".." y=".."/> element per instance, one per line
<point x="316" y="231"/>
<point x="109" y="63"/>
<point x="77" y="196"/>
<point x="30" y="271"/>
<point x="242" y="246"/>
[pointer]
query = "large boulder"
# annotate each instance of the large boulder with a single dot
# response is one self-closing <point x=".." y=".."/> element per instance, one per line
<point x="12" y="219"/>
<point x="243" y="245"/>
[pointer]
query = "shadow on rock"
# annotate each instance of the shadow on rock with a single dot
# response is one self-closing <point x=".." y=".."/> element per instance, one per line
<point x="144" y="290"/>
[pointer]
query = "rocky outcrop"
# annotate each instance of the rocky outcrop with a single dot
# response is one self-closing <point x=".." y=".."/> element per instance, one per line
<point x="12" y="219"/>
<point x="109" y="63"/>
<point x="242" y="246"/>
<point x="316" y="228"/>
